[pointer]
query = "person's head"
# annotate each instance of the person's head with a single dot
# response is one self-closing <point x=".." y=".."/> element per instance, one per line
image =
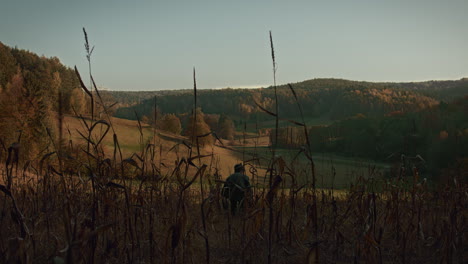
<point x="239" y="168"/>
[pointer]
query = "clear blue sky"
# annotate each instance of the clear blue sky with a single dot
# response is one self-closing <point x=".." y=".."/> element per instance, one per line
<point x="153" y="45"/>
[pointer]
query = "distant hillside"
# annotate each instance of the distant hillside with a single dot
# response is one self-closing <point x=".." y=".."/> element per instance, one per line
<point x="130" y="98"/>
<point x="439" y="134"/>
<point x="439" y="90"/>
<point x="331" y="98"/>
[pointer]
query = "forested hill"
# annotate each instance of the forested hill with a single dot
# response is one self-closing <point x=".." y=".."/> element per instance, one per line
<point x="29" y="76"/>
<point x="446" y="90"/>
<point x="41" y="77"/>
<point x="30" y="87"/>
<point x="331" y="98"/>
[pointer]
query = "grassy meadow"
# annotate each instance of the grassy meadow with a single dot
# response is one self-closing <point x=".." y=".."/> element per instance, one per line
<point x="332" y="171"/>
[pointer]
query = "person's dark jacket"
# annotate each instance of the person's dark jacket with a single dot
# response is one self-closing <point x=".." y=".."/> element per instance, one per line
<point x="236" y="187"/>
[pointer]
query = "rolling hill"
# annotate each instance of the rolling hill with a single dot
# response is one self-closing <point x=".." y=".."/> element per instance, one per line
<point x="326" y="99"/>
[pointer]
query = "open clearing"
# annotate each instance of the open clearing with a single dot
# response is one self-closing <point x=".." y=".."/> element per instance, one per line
<point x="332" y="171"/>
<point x="132" y="142"/>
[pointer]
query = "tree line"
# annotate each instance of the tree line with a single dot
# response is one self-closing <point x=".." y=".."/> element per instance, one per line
<point x="32" y="88"/>
<point x="439" y="135"/>
<point x="212" y="126"/>
<point x="332" y="98"/>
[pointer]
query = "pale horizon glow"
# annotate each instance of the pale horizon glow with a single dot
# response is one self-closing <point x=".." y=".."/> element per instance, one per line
<point x="154" y="45"/>
<point x="255" y="86"/>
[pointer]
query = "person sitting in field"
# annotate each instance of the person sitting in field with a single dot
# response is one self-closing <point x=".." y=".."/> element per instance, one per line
<point x="236" y="187"/>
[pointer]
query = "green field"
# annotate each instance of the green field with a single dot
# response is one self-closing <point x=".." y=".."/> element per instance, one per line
<point x="310" y="122"/>
<point x="331" y="170"/>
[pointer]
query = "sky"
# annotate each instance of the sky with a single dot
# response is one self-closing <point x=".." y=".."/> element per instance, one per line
<point x="154" y="45"/>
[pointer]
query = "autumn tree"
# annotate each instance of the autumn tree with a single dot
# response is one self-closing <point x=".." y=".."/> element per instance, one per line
<point x="171" y="123"/>
<point x="197" y="127"/>
<point x="155" y="117"/>
<point x="78" y="101"/>
<point x="212" y="120"/>
<point x="54" y="97"/>
<point x="19" y="118"/>
<point x="226" y="128"/>
<point x="7" y="65"/>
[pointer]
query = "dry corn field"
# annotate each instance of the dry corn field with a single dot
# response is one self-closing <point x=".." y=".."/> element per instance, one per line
<point x="98" y="209"/>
